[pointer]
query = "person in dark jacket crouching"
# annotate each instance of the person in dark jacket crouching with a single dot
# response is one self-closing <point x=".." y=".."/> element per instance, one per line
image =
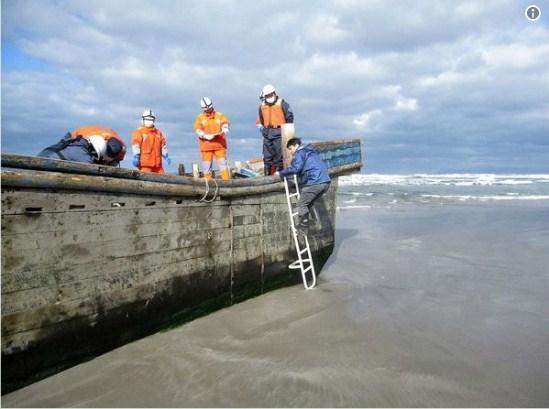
<point x="90" y="144"/>
<point x="314" y="175"/>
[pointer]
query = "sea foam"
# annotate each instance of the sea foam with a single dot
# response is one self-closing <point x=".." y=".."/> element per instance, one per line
<point x="451" y="179"/>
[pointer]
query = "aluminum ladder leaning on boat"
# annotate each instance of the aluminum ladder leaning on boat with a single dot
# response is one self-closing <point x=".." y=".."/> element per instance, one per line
<point x="303" y="264"/>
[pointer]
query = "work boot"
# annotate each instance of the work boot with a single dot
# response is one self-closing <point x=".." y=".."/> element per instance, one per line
<point x="303" y="226"/>
<point x="225" y="174"/>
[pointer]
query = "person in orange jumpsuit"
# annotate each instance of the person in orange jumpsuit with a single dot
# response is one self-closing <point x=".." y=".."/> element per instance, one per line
<point x="149" y="146"/>
<point x="212" y="126"/>
<point x="115" y="146"/>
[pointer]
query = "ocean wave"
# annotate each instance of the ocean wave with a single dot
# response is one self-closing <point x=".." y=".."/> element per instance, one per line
<point x="451" y="179"/>
<point x="353" y="207"/>
<point x="356" y="194"/>
<point x="486" y="198"/>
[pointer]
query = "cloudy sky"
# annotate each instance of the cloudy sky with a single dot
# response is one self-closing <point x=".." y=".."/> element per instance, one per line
<point x="429" y="86"/>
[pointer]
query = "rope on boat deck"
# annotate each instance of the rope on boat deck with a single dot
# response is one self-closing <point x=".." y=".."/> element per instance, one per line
<point x="203" y="199"/>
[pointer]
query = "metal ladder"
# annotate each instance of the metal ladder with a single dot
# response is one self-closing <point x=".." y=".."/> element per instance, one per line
<point x="304" y="264"/>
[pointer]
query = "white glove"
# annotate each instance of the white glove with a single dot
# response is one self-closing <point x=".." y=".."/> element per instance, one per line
<point x="225" y="128"/>
<point x="203" y="135"/>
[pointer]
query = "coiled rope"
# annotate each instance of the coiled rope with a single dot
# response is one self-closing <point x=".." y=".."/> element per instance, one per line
<point x="203" y="199"/>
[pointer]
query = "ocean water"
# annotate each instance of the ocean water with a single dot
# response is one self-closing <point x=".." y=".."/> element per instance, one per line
<point x="436" y="295"/>
<point x="367" y="190"/>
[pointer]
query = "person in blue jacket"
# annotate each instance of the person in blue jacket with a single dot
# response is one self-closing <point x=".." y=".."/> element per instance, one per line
<point x="314" y="176"/>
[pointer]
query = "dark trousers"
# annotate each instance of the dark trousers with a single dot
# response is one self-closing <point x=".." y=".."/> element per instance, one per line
<point x="272" y="150"/>
<point x="308" y="195"/>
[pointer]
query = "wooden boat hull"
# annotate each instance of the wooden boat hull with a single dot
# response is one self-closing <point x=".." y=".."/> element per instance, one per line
<point x="91" y="262"/>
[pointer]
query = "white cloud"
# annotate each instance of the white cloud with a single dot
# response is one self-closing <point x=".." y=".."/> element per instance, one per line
<point x="518" y="55"/>
<point x="132" y="69"/>
<point x="469" y="9"/>
<point x="368" y="120"/>
<point x="405" y="104"/>
<point x="443" y="79"/>
<point x="327" y="71"/>
<point x="325" y="29"/>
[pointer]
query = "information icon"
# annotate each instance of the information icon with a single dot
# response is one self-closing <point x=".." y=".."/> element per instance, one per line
<point x="532" y="12"/>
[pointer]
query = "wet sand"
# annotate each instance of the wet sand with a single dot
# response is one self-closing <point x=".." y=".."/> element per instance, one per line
<point x="418" y="306"/>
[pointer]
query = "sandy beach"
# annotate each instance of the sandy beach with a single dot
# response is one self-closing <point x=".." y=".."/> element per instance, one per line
<point x="438" y="306"/>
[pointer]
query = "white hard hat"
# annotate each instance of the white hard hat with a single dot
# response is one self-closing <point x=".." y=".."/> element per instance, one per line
<point x="206" y="103"/>
<point x="99" y="144"/>
<point x="149" y="114"/>
<point x="267" y="89"/>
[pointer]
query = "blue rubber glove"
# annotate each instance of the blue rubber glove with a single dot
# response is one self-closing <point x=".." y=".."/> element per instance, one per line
<point x="167" y="159"/>
<point x="136" y="160"/>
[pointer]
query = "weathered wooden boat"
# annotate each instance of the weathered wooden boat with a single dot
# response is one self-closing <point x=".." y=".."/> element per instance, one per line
<point x="94" y="256"/>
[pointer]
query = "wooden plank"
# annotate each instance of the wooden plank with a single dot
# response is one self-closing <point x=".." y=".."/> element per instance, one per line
<point x="245" y="219"/>
<point x="105" y="299"/>
<point x="99" y="234"/>
<point x="37" y="163"/>
<point x="195" y="217"/>
<point x="63" y="181"/>
<point x="248" y="230"/>
<point x="246" y="244"/>
<point x="31" y="299"/>
<point x="268" y="197"/>
<point x="245" y="209"/>
<point x="17" y="201"/>
<point x="132" y="276"/>
<point x="44" y="317"/>
<point x="96" y="183"/>
<point x="76" y="254"/>
<point x="49" y="266"/>
<point x="23" y="276"/>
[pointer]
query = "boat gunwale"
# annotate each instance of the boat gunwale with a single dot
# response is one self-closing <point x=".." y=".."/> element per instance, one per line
<point x="54" y="173"/>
